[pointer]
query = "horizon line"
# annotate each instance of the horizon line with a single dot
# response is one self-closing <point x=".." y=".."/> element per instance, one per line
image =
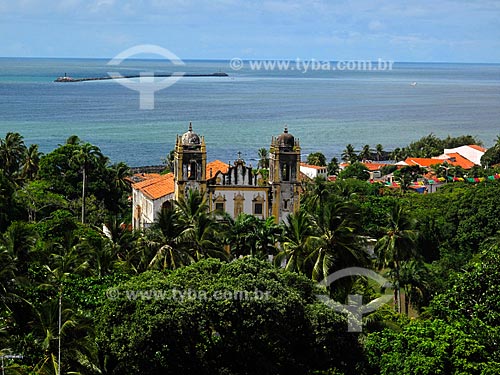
<point x="248" y="59"/>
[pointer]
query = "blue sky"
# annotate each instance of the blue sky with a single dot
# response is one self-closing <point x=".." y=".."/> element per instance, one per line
<point x="427" y="30"/>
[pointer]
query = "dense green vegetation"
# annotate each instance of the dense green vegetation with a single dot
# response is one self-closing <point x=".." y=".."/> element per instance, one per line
<point x="440" y="252"/>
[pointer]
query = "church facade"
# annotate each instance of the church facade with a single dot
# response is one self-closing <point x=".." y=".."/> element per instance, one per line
<point x="233" y="189"/>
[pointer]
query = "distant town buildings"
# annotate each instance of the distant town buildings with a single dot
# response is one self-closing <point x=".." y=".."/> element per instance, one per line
<point x="465" y="157"/>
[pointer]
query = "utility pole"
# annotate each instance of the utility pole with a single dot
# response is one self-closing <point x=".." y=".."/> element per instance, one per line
<point x="59" y="334"/>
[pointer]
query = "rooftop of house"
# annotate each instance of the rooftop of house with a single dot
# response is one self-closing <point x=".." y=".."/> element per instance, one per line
<point x="374" y="166"/>
<point x="156" y="187"/>
<point x="312" y="166"/>
<point x="478" y="148"/>
<point x="454" y="159"/>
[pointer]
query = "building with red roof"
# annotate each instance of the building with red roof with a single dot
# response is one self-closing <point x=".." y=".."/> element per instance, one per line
<point x="232" y="189"/>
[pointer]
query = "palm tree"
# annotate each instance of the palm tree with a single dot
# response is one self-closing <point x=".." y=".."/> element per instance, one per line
<point x="8" y="272"/>
<point x="333" y="167"/>
<point x="12" y="151"/>
<point x="316" y="195"/>
<point x="243" y="235"/>
<point x="413" y="277"/>
<point x="263" y="158"/>
<point x="397" y="154"/>
<point x="340" y="242"/>
<point x="349" y="155"/>
<point x="86" y="156"/>
<point x="366" y="153"/>
<point x="268" y="235"/>
<point x="397" y="245"/>
<point x="298" y="242"/>
<point x="379" y="149"/>
<point x="120" y="172"/>
<point x="20" y="239"/>
<point x="199" y="234"/>
<point x="316" y="158"/>
<point x="164" y="238"/>
<point x="31" y="162"/>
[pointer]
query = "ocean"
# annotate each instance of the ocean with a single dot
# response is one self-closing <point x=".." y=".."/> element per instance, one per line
<point x="325" y="110"/>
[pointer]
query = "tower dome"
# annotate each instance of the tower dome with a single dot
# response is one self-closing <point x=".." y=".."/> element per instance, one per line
<point x="190" y="138"/>
<point x="286" y="139"/>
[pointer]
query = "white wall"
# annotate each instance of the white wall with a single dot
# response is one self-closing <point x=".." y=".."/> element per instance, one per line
<point x="249" y="195"/>
<point x="313" y="172"/>
<point x="467" y="152"/>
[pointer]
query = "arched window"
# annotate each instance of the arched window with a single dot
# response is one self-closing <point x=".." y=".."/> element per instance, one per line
<point x="258" y="205"/>
<point x="220" y="203"/>
<point x="239" y="201"/>
<point x="285" y="172"/>
<point x="193" y="170"/>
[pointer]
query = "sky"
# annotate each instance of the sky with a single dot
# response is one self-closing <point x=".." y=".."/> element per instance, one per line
<point x="397" y="30"/>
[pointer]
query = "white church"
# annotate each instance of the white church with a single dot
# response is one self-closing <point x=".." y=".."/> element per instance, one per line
<point x="233" y="189"/>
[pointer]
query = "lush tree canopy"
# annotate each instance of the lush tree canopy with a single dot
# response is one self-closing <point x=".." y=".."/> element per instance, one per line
<point x="244" y="317"/>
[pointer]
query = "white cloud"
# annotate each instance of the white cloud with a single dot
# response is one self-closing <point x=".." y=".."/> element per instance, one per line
<point x="376" y="26"/>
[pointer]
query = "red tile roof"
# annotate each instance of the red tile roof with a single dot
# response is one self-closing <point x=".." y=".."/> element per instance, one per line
<point x="458" y="160"/>
<point x="477" y="147"/>
<point x="374" y="166"/>
<point x="454" y="159"/>
<point x="158" y="187"/>
<point x="423" y="162"/>
<point x="216" y="166"/>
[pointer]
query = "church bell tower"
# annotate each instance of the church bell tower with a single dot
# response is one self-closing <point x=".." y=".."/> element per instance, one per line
<point x="190" y="160"/>
<point x="284" y="170"/>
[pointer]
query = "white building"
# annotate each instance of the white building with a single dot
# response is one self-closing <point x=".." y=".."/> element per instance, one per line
<point x="149" y="195"/>
<point x="313" y="171"/>
<point x="470" y="152"/>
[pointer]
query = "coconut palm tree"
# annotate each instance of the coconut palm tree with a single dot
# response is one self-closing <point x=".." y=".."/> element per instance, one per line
<point x="31" y="162"/>
<point x="316" y="158"/>
<point x="397" y="245"/>
<point x="164" y="238"/>
<point x="87" y="156"/>
<point x="366" y="153"/>
<point x="298" y="242"/>
<point x="316" y="195"/>
<point x="379" y="150"/>
<point x="243" y="235"/>
<point x="120" y="172"/>
<point x="414" y="277"/>
<point x="199" y="233"/>
<point x="340" y="242"/>
<point x="349" y="155"/>
<point x="333" y="167"/>
<point x="20" y="239"/>
<point x="263" y="158"/>
<point x="397" y="154"/>
<point x="12" y="151"/>
<point x="268" y="235"/>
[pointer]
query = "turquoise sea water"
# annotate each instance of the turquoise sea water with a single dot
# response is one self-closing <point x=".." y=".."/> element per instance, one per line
<point x="324" y="109"/>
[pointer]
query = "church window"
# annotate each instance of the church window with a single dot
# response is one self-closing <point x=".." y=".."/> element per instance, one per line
<point x="192" y="170"/>
<point x="285" y="172"/>
<point x="258" y="205"/>
<point x="239" y="200"/>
